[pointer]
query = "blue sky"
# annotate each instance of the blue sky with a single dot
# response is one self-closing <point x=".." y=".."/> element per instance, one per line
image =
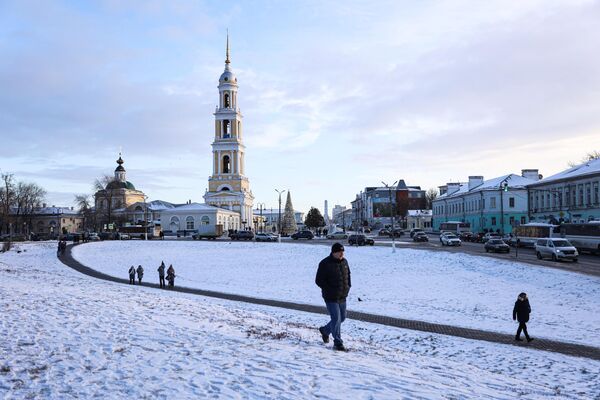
<point x="336" y="96"/>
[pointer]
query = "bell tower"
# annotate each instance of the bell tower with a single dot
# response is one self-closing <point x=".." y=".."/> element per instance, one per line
<point x="228" y="187"/>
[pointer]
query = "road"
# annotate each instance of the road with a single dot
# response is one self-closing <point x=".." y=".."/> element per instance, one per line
<point x="588" y="263"/>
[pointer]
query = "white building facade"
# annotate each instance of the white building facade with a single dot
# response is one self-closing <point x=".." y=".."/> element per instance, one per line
<point x="196" y="217"/>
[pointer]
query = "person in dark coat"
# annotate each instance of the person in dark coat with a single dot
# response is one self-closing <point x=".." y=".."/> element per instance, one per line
<point x="333" y="277"/>
<point x="161" y="274"/>
<point x="171" y="276"/>
<point x="132" y="275"/>
<point x="140" y="273"/>
<point x="521" y="313"/>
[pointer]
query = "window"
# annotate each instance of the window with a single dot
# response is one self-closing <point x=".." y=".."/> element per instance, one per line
<point x="596" y="193"/>
<point x="226" y="165"/>
<point x="205" y="220"/>
<point x="226" y="100"/>
<point x="189" y="222"/>
<point x="493" y="202"/>
<point x="226" y="129"/>
<point x="494" y="221"/>
<point x="511" y="202"/>
<point x="511" y="221"/>
<point x="523" y="220"/>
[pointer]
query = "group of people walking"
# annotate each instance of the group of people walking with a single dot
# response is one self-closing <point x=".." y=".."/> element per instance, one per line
<point x="62" y="246"/>
<point x="170" y="275"/>
<point x="333" y="277"/>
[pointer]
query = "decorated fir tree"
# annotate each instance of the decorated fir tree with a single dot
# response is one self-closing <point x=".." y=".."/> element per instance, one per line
<point x="288" y="223"/>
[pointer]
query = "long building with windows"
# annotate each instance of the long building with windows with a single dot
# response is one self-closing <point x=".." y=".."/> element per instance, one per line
<point x="496" y="204"/>
<point x="572" y="195"/>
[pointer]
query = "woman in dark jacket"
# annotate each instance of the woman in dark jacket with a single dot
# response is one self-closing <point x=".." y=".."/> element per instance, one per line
<point x="521" y="313"/>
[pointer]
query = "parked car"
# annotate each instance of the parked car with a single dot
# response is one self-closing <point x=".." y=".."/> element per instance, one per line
<point x="450" y="239"/>
<point x="124" y="236"/>
<point x="420" y="237"/>
<point x="242" y="235"/>
<point x="360" y="240"/>
<point x="265" y="237"/>
<point x="490" y="235"/>
<point x="337" y="235"/>
<point x="366" y="230"/>
<point x="496" y="246"/>
<point x="93" y="237"/>
<point x="303" y="235"/>
<point x="415" y="230"/>
<point x="555" y="248"/>
<point x="383" y="232"/>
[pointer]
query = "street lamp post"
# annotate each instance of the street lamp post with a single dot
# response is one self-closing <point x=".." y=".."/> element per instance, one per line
<point x="391" y="213"/>
<point x="280" y="192"/>
<point x="261" y="206"/>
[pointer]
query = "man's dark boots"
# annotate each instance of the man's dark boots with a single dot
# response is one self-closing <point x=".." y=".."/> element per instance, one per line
<point x="323" y="335"/>
<point x="518" y="339"/>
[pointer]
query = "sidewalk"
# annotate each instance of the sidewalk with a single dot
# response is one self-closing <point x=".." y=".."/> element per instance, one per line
<point x="570" y="349"/>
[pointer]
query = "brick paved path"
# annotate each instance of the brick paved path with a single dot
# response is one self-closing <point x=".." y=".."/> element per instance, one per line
<point x="570" y="349"/>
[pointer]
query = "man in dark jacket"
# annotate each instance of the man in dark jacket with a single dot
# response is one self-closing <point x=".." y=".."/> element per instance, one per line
<point x="521" y="312"/>
<point x="333" y="277"/>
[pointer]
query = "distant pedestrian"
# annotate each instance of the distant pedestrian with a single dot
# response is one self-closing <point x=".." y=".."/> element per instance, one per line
<point x="333" y="277"/>
<point x="521" y="313"/>
<point x="132" y="275"/>
<point x="171" y="276"/>
<point x="161" y="234"/>
<point x="59" y="248"/>
<point x="161" y="274"/>
<point x="140" y="273"/>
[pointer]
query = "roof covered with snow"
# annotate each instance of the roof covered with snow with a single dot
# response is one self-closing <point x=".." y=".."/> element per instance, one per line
<point x="419" y="213"/>
<point x="197" y="207"/>
<point x="588" y="168"/>
<point x="514" y="181"/>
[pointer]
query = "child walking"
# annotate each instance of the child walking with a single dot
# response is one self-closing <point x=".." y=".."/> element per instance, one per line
<point x="521" y="313"/>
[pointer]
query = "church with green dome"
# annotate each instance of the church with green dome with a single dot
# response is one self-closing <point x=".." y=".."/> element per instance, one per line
<point x="119" y="193"/>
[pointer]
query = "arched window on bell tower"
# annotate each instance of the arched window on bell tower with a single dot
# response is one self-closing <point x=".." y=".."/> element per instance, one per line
<point x="226" y="128"/>
<point x="226" y="165"/>
<point x="226" y="102"/>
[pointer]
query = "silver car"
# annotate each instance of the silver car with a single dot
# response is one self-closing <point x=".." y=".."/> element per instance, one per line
<point x="555" y="248"/>
<point x="449" y="239"/>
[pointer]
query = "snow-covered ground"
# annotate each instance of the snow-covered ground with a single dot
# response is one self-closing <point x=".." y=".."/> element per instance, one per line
<point x="66" y="335"/>
<point x="441" y="287"/>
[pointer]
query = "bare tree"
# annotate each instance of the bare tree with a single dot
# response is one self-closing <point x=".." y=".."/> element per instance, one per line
<point x="28" y="197"/>
<point x="82" y="201"/>
<point x="430" y="196"/>
<point x="592" y="155"/>
<point x="104" y="199"/>
<point x="6" y="200"/>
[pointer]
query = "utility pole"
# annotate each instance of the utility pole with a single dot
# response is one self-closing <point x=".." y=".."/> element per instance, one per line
<point x="391" y="213"/>
<point x="280" y="192"/>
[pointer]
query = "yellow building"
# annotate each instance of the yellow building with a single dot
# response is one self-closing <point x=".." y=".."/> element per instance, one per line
<point x="118" y="194"/>
<point x="228" y="187"/>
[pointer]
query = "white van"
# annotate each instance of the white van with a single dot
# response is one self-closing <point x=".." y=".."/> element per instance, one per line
<point x="555" y="248"/>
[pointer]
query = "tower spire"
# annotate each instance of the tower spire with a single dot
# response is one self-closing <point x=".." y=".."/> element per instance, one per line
<point x="227" y="61"/>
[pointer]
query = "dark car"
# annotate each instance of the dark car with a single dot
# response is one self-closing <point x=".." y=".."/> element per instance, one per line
<point x="242" y="235"/>
<point x="360" y="240"/>
<point x="420" y="237"/>
<point x="303" y="235"/>
<point x="497" y="246"/>
<point x="384" y="232"/>
<point x="265" y="237"/>
<point x="468" y="237"/>
<point x="489" y="236"/>
<point x="398" y="232"/>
